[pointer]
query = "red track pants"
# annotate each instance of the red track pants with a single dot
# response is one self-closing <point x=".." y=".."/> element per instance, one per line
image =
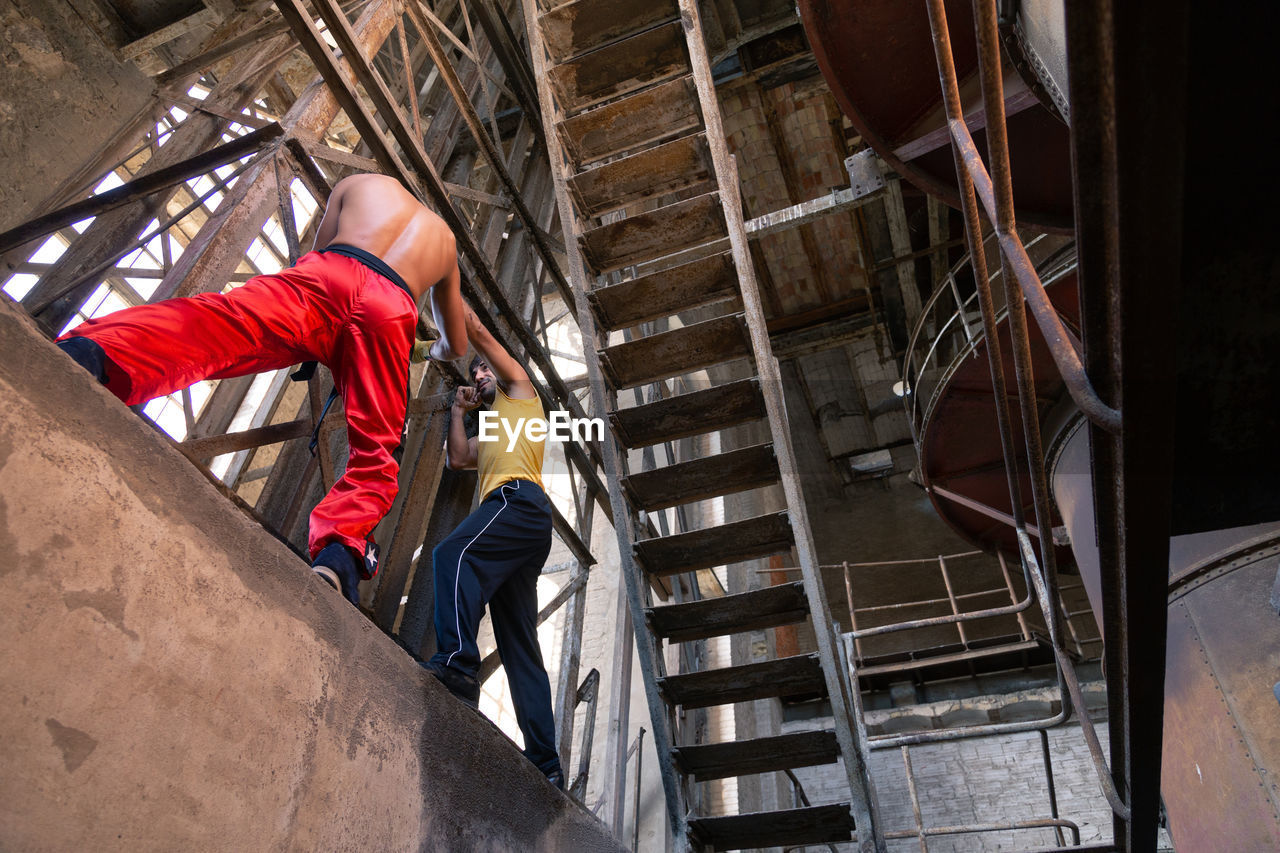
<point x="328" y="308"/>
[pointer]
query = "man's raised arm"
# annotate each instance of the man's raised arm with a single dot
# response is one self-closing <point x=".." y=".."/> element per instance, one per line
<point x="512" y="377"/>
<point x="462" y="452"/>
<point x="448" y="310"/>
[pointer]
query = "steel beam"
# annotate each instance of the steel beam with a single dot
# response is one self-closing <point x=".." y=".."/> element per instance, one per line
<point x="1129" y="118"/>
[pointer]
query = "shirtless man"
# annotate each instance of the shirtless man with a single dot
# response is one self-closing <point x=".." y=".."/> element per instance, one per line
<point x="352" y="304"/>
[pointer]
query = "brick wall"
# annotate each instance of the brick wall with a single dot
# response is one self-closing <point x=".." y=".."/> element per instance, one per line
<point x="980" y="780"/>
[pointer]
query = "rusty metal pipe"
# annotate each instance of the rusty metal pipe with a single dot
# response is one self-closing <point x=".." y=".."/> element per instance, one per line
<point x="1048" y="777"/>
<point x="997" y="197"/>
<point x="1046" y="583"/>
<point x="1008" y="582"/>
<point x="919" y="831"/>
<point x="934" y="621"/>
<point x="973" y="230"/>
<point x="1067" y="679"/>
<point x="973" y="227"/>
<point x="1067" y="668"/>
<point x="1038" y="823"/>
<point x="964" y="732"/>
<point x="1040" y="583"/>
<point x="1024" y="373"/>
<point x="1060" y="341"/>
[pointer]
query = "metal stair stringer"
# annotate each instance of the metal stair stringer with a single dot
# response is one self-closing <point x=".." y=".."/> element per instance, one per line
<point x="843" y="705"/>
<point x="595" y="90"/>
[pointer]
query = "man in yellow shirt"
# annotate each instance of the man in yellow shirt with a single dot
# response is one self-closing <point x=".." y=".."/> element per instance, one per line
<point x="497" y="554"/>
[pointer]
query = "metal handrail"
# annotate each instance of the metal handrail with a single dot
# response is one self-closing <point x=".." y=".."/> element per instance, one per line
<point x="916" y="416"/>
<point x="997" y="198"/>
<point x="1065" y="354"/>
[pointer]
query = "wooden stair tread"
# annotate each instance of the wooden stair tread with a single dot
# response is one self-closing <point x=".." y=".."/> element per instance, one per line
<point x="666" y="110"/>
<point x="788" y="827"/>
<point x="583" y="25"/>
<point x="621" y="67"/>
<point x="716" y="546"/>
<point x="684" y="482"/>
<point x="678" y="351"/>
<point x="654" y="234"/>
<point x="800" y="675"/>
<point x="661" y="294"/>
<point x="694" y="413"/>
<point x="758" y="755"/>
<point x="768" y="607"/>
<point x="680" y="164"/>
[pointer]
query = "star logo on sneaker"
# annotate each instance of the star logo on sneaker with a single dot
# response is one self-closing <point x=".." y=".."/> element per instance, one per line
<point x="371" y="561"/>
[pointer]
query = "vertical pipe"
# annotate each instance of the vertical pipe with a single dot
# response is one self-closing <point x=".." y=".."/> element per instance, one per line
<point x="951" y="596"/>
<point x="1048" y="775"/>
<point x="635" y="819"/>
<point x="915" y="798"/>
<point x="853" y="619"/>
<point x="977" y="255"/>
<point x="1002" y="187"/>
<point x="1013" y="595"/>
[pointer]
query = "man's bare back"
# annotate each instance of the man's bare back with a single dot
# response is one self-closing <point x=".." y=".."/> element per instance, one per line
<point x="377" y="214"/>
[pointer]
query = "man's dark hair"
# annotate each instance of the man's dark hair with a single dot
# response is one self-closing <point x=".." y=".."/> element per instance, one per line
<point x="471" y="368"/>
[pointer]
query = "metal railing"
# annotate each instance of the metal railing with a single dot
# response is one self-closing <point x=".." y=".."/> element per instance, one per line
<point x="922" y="833"/>
<point x="951" y="336"/>
<point x="950" y="328"/>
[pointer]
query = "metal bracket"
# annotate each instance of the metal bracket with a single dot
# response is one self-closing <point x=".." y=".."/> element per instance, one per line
<point x="865" y="176"/>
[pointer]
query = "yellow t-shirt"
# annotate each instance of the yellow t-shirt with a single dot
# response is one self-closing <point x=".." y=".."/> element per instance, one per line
<point x="495" y="463"/>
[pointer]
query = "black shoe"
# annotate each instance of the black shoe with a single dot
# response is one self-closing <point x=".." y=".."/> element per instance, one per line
<point x="556" y="778"/>
<point x="335" y="564"/>
<point x="88" y="355"/>
<point x="459" y="684"/>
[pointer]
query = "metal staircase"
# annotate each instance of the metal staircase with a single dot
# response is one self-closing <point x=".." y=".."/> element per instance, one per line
<point x="642" y="173"/>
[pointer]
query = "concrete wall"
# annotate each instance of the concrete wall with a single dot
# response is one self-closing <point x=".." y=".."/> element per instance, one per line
<point x="174" y="677"/>
<point x="63" y="96"/>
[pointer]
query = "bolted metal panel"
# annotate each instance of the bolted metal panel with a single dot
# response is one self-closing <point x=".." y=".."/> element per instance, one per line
<point x="1221" y="743"/>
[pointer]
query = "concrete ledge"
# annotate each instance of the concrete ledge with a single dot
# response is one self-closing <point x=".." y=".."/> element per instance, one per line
<point x="175" y="678"/>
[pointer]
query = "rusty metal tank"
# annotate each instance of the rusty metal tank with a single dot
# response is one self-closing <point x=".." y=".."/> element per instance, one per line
<point x="877" y="56"/>
<point x="1221" y="750"/>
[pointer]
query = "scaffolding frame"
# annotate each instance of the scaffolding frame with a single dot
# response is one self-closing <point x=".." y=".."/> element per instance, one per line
<point x="205" y="179"/>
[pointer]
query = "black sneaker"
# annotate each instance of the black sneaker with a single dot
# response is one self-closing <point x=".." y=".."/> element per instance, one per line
<point x="335" y="564"/>
<point x="88" y="355"/>
<point x="459" y="684"/>
<point x="556" y="778"/>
